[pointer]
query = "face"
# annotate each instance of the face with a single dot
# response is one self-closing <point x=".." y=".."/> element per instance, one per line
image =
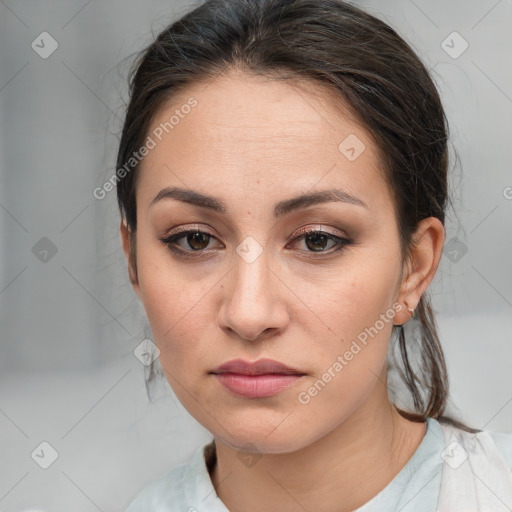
<point x="293" y="255"/>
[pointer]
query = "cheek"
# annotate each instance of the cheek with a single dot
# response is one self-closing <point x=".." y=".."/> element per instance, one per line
<point x="357" y="306"/>
<point x="353" y="297"/>
<point x="175" y="305"/>
<point x="349" y="366"/>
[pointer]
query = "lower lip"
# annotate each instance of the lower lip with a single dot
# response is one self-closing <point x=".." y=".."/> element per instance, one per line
<point x="256" y="386"/>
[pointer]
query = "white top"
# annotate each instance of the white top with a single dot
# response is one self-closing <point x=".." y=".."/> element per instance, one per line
<point x="451" y="470"/>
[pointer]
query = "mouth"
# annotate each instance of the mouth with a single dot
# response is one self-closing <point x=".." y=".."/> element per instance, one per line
<point x="260" y="379"/>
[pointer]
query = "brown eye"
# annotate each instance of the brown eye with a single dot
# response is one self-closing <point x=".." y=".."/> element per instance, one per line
<point x="316" y="241"/>
<point x="321" y="242"/>
<point x="198" y="240"/>
<point x="189" y="241"/>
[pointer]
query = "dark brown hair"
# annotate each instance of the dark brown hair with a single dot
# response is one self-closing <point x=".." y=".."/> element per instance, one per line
<point x="368" y="66"/>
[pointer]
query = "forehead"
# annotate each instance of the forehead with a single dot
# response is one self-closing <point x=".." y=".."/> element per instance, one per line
<point x="246" y="131"/>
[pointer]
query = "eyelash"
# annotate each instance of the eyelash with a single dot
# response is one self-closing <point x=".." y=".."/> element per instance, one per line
<point x="171" y="240"/>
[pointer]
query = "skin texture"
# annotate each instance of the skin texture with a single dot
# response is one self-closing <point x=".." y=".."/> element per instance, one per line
<point x="252" y="142"/>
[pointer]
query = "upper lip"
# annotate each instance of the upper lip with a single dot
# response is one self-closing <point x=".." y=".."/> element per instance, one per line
<point x="260" y="367"/>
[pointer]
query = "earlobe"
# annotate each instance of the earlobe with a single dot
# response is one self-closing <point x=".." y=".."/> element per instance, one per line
<point x="425" y="255"/>
<point x="127" y="241"/>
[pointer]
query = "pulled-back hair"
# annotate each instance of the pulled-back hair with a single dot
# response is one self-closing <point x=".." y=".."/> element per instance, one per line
<point x="369" y="68"/>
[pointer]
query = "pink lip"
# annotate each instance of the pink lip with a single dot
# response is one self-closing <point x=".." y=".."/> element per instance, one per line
<point x="260" y="379"/>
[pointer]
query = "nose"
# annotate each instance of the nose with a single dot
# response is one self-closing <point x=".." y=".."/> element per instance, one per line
<point x="253" y="306"/>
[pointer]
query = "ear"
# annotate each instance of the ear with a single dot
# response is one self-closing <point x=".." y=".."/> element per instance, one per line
<point x="128" y="243"/>
<point x="421" y="267"/>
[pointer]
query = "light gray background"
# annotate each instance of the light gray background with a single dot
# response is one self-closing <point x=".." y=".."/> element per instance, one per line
<point x="69" y="325"/>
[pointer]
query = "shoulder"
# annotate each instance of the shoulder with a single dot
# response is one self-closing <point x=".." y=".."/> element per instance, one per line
<point x="172" y="490"/>
<point x="494" y="444"/>
<point x="477" y="472"/>
<point x="161" y="492"/>
<point x="503" y="441"/>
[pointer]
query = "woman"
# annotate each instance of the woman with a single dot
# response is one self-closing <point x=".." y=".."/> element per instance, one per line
<point x="282" y="182"/>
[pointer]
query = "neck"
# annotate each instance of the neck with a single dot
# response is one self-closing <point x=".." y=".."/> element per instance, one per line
<point x="342" y="470"/>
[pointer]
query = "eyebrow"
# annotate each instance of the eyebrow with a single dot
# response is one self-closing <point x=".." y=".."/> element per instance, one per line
<point x="281" y="208"/>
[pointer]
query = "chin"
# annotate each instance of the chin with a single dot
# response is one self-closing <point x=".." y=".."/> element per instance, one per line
<point x="245" y="436"/>
<point x="260" y="444"/>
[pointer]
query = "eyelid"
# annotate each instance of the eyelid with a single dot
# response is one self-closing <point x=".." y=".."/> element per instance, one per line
<point x="321" y="228"/>
<point x="341" y="242"/>
<point x="189" y="227"/>
<point x="303" y="230"/>
<point x="170" y="239"/>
